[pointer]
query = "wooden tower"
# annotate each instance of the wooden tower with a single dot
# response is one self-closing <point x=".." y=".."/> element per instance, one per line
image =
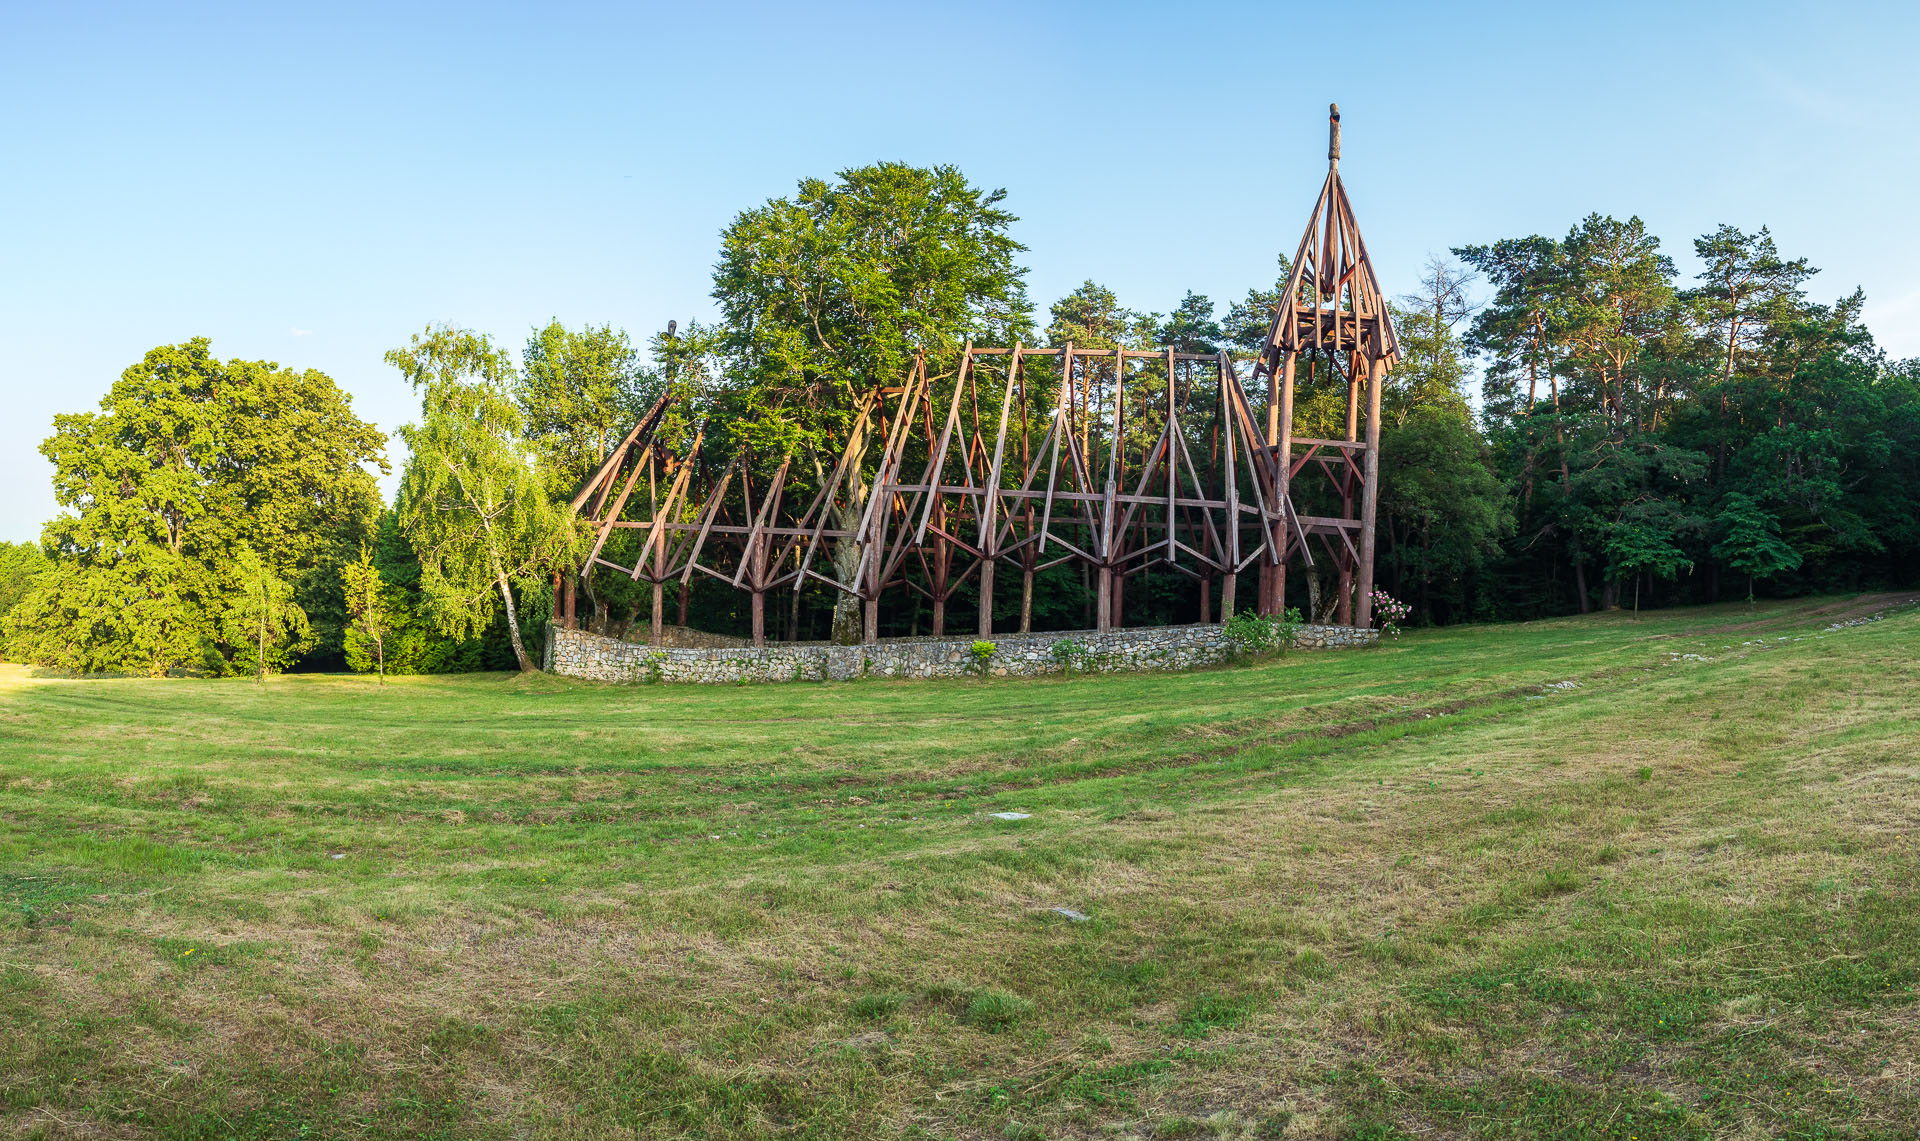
<point x="1331" y="311"/>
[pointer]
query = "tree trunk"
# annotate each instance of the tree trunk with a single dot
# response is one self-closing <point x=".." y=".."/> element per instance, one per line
<point x="262" y="662"/>
<point x="847" y="553"/>
<point x="513" y="621"/>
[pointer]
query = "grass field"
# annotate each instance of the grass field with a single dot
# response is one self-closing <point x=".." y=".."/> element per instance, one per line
<point x="1597" y="877"/>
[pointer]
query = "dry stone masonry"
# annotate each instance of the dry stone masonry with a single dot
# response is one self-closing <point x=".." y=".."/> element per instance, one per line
<point x="577" y="653"/>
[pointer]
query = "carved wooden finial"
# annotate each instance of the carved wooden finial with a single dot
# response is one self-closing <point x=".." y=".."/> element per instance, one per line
<point x="1333" y="134"/>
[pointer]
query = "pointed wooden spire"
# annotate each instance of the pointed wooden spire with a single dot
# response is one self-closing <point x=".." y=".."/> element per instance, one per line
<point x="1332" y="300"/>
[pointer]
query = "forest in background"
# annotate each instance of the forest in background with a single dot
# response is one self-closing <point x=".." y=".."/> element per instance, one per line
<point x="1639" y="440"/>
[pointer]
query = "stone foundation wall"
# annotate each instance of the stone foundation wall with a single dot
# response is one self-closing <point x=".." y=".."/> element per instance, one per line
<point x="577" y="653"/>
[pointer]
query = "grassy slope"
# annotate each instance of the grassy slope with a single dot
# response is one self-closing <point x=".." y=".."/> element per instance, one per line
<point x="1341" y="894"/>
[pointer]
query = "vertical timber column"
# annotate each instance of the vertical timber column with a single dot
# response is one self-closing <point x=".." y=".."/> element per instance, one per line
<point x="757" y="556"/>
<point x="659" y="570"/>
<point x="986" y="598"/>
<point x="870" y="603"/>
<point x="1370" y="495"/>
<point x="1344" y="611"/>
<point x="1284" y="455"/>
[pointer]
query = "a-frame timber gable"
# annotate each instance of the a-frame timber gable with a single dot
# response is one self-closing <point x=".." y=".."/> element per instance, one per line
<point x="1013" y="460"/>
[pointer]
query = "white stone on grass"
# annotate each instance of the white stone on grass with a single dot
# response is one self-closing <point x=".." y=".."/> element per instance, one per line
<point x="1010" y="815"/>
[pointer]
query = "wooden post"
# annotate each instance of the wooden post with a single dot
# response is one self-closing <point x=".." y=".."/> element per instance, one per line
<point x="1103" y="596"/>
<point x="1228" y="584"/>
<point x="871" y="633"/>
<point x="986" y="599"/>
<point x="1026" y="595"/>
<point x="758" y="557"/>
<point x="1283" y="443"/>
<point x="1370" y="493"/>
<point x="570" y="622"/>
<point x="659" y="603"/>
<point x="1206" y="598"/>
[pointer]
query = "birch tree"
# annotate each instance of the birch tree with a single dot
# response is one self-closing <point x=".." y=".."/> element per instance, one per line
<point x="473" y="500"/>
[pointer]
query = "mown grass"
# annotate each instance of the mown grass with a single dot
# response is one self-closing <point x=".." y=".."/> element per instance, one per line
<point x="1589" y="878"/>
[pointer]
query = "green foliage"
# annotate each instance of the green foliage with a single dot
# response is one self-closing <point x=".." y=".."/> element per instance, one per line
<point x="1256" y="635"/>
<point x="21" y="565"/>
<point x="262" y="617"/>
<point x="827" y="295"/>
<point x="474" y="500"/>
<point x="979" y="655"/>
<point x="1072" y="657"/>
<point x="1750" y="541"/>
<point x="370" y="615"/>
<point x="1091" y="317"/>
<point x="1649" y="433"/>
<point x="190" y="462"/>
<point x="578" y="393"/>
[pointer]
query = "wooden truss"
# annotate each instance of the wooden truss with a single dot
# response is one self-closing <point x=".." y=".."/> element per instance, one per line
<point x="1021" y="459"/>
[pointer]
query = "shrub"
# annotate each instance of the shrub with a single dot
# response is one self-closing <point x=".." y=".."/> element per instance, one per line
<point x="1389" y="612"/>
<point x="981" y="653"/>
<point x="1071" y="656"/>
<point x="1253" y="635"/>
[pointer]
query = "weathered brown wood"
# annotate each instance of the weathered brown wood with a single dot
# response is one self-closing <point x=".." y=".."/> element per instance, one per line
<point x="1118" y="508"/>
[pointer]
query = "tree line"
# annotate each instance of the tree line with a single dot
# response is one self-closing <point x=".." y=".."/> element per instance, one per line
<point x="1639" y="440"/>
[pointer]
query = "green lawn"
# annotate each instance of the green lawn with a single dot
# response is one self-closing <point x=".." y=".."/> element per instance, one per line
<point x="1597" y="877"/>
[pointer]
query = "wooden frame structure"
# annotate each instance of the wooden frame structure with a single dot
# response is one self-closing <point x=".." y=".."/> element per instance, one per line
<point x="1024" y="458"/>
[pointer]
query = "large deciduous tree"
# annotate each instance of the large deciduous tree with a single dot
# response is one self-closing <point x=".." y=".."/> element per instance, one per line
<point x="474" y="499"/>
<point x="827" y="295"/>
<point x="190" y="462"/>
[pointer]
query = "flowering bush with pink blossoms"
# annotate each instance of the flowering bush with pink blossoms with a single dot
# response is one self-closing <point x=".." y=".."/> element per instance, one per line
<point x="1389" y="612"/>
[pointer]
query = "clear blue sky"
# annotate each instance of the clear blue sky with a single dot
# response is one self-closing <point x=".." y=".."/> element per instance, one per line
<point x="310" y="184"/>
